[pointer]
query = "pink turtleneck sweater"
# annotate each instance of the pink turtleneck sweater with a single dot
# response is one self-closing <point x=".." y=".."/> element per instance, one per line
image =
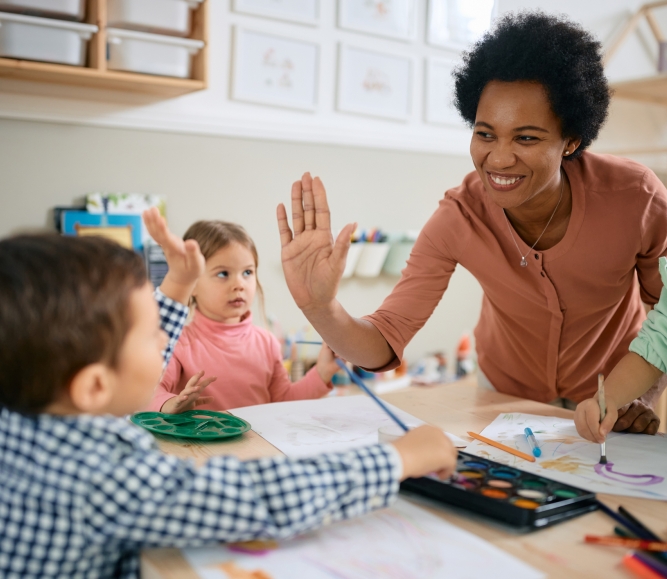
<point x="246" y="360"/>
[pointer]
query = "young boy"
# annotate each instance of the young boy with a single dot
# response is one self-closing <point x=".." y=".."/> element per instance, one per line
<point x="633" y="375"/>
<point x="83" y="490"/>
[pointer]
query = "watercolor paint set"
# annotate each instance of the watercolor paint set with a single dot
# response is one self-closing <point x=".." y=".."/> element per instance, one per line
<point x="515" y="497"/>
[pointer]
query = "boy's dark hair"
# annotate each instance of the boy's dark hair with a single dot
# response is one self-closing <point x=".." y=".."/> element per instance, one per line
<point x="64" y="304"/>
<point x="550" y="50"/>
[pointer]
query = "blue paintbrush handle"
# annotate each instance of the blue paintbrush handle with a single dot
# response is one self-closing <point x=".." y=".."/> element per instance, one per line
<point x="368" y="391"/>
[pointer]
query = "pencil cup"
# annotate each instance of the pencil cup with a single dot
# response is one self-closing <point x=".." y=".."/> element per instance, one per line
<point x="398" y="256"/>
<point x="372" y="259"/>
<point x="352" y="259"/>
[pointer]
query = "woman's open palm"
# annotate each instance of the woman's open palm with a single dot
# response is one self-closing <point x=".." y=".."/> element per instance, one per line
<point x="312" y="262"/>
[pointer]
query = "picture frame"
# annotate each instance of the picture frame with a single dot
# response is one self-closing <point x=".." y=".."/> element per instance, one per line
<point x="439" y="93"/>
<point x="374" y="83"/>
<point x="299" y="11"/>
<point x="273" y="70"/>
<point x="455" y="24"/>
<point x="394" y="19"/>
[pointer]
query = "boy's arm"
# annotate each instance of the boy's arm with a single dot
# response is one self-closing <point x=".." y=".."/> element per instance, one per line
<point x="154" y="500"/>
<point x="173" y="316"/>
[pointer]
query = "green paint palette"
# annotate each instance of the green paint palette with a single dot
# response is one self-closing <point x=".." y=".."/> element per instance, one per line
<point x="196" y="424"/>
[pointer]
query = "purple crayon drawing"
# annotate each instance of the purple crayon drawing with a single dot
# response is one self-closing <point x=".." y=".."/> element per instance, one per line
<point x="640" y="480"/>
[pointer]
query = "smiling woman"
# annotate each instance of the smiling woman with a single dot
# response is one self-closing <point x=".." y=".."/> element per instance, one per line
<point x="557" y="237"/>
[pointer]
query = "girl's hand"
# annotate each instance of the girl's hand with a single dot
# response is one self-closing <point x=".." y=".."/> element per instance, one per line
<point x="190" y="396"/>
<point x="425" y="450"/>
<point x="185" y="261"/>
<point x="587" y="419"/>
<point x="312" y="262"/>
<point x="326" y="364"/>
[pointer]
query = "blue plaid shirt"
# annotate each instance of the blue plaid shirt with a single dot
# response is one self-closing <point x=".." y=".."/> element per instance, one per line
<point x="80" y="496"/>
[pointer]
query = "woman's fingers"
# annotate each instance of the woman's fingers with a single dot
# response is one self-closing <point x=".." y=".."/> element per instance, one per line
<point x="342" y="245"/>
<point x="297" y="208"/>
<point x="283" y="226"/>
<point x="308" y="210"/>
<point x="322" y="213"/>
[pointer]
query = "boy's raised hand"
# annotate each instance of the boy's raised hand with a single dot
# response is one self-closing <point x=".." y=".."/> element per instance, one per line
<point x="587" y="419"/>
<point x="312" y="262"/>
<point x="425" y="450"/>
<point x="185" y="261"/>
<point x="190" y="396"/>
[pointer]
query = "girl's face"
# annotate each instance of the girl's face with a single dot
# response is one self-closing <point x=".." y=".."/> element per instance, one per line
<point x="517" y="146"/>
<point x="226" y="290"/>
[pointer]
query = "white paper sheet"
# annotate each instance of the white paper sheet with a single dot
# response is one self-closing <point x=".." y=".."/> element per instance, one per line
<point x="307" y="427"/>
<point x="637" y="463"/>
<point x="403" y="541"/>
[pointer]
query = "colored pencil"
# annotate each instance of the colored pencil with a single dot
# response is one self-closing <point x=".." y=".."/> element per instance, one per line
<point x="628" y="543"/>
<point x="359" y="382"/>
<point x="637" y="523"/>
<point x="655" y="563"/>
<point x="639" y="568"/>
<point x="501" y="446"/>
<point x="639" y="533"/>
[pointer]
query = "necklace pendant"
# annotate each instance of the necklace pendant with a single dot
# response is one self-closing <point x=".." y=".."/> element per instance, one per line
<point x="524" y="263"/>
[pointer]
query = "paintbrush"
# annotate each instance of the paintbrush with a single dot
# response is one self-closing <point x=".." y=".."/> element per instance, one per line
<point x="603" y="413"/>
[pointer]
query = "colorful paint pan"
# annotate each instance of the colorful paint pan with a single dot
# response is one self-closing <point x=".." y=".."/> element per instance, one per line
<point x="508" y="494"/>
<point x="197" y="424"/>
<point x="500" y="484"/>
<point x="525" y="504"/>
<point x="505" y="472"/>
<point x="494" y="493"/>
<point x="532" y="494"/>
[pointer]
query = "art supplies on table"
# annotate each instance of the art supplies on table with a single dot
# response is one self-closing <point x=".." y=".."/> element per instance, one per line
<point x="503" y="447"/>
<point x="197" y="424"/>
<point x="402" y="541"/>
<point x="334" y="424"/>
<point x="638" y="468"/>
<point x="627" y="543"/>
<point x="510" y="495"/>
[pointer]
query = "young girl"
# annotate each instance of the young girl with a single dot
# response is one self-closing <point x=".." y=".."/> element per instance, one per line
<point x="633" y="375"/>
<point x="221" y="341"/>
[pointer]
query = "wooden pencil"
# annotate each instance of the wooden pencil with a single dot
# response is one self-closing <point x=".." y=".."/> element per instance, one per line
<point x="501" y="446"/>
<point x="628" y="543"/>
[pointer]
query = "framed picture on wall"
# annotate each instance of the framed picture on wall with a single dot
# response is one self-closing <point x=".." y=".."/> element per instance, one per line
<point x="455" y="24"/>
<point x="373" y="83"/>
<point x="302" y="11"/>
<point x="390" y="18"/>
<point x="439" y="94"/>
<point x="273" y="70"/>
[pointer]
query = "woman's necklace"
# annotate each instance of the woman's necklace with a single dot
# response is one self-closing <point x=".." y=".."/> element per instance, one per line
<point x="523" y="261"/>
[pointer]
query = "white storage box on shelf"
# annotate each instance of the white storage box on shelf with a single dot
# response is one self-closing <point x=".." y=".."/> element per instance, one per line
<point x="74" y="9"/>
<point x="164" y="16"/>
<point x="150" y="53"/>
<point x="45" y="39"/>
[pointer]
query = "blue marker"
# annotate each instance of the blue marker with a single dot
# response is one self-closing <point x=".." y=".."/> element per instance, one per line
<point x="530" y="437"/>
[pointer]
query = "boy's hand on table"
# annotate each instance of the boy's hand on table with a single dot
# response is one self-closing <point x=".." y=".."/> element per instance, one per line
<point x="190" y="396"/>
<point x="184" y="258"/>
<point x="326" y="364"/>
<point x="587" y="419"/>
<point x="637" y="417"/>
<point x="426" y="450"/>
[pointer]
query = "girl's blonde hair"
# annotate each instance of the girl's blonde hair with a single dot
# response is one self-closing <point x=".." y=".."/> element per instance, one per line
<point x="213" y="235"/>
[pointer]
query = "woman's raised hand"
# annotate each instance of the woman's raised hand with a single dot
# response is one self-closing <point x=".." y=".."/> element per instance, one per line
<point x="312" y="262"/>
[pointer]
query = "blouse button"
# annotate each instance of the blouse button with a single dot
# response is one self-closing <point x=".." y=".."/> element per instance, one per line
<point x="537" y="256"/>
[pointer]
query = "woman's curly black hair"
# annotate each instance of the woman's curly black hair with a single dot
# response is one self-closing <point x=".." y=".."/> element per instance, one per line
<point x="551" y="50"/>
